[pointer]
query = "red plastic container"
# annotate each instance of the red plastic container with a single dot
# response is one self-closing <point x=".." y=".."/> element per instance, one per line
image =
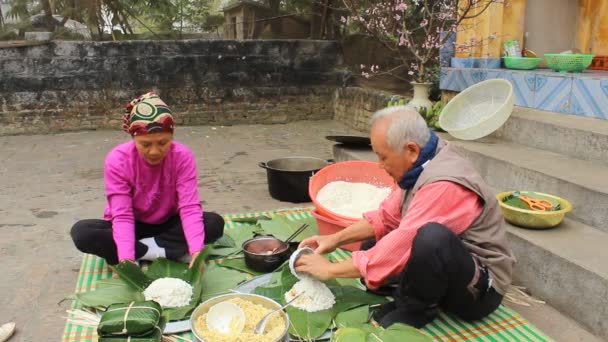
<point x="599" y="63"/>
<point x="349" y="171"/>
<point x="328" y="226"/>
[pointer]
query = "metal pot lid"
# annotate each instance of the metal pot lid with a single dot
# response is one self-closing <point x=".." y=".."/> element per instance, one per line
<point x="353" y="140"/>
<point x="297" y="164"/>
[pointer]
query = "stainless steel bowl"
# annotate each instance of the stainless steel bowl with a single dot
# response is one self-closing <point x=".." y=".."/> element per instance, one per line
<point x="202" y="308"/>
<point x="256" y="253"/>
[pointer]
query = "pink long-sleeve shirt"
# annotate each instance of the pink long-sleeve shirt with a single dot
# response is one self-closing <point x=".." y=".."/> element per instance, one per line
<point x="138" y="191"/>
<point x="442" y="202"/>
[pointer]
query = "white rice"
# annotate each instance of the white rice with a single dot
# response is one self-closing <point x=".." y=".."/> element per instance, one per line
<point x="352" y="199"/>
<point x="169" y="292"/>
<point x="317" y="295"/>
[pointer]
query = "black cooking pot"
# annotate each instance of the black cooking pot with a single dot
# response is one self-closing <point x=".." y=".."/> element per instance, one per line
<point x="288" y="177"/>
<point x="259" y="255"/>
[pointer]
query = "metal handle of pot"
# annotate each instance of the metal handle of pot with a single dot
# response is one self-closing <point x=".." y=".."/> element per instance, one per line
<point x="263" y="165"/>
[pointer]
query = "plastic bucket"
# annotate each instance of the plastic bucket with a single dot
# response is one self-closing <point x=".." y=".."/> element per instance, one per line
<point x="349" y="171"/>
<point x="328" y="226"/>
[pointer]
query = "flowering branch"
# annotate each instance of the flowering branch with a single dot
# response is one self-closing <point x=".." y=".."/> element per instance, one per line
<point x="412" y="28"/>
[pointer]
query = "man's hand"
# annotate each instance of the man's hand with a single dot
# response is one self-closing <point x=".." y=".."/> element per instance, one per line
<point x="321" y="244"/>
<point x="314" y="264"/>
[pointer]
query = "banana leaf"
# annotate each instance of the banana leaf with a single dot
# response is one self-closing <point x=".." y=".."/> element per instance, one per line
<point x="177" y="314"/>
<point x="367" y="333"/>
<point x="399" y="333"/>
<point x="281" y="281"/>
<point x="239" y="265"/>
<point x="165" y="268"/>
<point x="224" y="241"/>
<point x="206" y="283"/>
<point x="348" y="297"/>
<point x="221" y="252"/>
<point x="108" y="293"/>
<point x="252" y="219"/>
<point x="281" y="227"/>
<point x="218" y="280"/>
<point x="132" y="275"/>
<point x="232" y="240"/>
<point x="311" y="325"/>
<point x="352" y="317"/>
<point x="349" y="335"/>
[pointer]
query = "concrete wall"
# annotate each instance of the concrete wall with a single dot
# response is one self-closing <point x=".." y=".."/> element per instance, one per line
<point x="592" y="27"/>
<point x="354" y="106"/>
<point x="84" y="85"/>
<point x="551" y="31"/>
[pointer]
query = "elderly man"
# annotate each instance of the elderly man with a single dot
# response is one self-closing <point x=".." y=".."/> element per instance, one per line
<point x="440" y="238"/>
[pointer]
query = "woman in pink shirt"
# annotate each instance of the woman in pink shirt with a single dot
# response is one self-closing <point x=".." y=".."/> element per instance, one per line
<point x="437" y="241"/>
<point x="153" y="207"/>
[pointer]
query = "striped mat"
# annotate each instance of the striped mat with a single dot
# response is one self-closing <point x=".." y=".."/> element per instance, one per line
<point x="502" y="325"/>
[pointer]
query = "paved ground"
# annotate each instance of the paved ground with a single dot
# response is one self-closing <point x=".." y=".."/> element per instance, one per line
<point x="49" y="182"/>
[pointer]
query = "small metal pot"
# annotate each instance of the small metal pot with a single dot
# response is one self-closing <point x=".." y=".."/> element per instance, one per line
<point x="288" y="177"/>
<point x="257" y="255"/>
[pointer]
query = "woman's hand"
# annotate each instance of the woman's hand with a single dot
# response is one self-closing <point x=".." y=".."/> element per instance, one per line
<point x="321" y="244"/>
<point x="193" y="256"/>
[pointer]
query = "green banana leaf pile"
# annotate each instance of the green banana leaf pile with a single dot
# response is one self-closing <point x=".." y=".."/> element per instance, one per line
<point x="311" y="325"/>
<point x="133" y="281"/>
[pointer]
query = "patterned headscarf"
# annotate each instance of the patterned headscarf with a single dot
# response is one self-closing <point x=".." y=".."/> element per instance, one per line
<point x="147" y="114"/>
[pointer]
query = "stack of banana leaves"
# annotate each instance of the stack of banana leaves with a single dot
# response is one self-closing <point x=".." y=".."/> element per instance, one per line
<point x="221" y="267"/>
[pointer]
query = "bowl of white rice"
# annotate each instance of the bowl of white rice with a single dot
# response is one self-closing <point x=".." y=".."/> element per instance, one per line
<point x="255" y="308"/>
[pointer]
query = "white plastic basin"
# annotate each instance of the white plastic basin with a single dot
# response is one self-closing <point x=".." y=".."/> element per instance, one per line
<point x="478" y="110"/>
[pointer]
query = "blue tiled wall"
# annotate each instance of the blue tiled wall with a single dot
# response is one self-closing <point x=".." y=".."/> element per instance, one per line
<point x="584" y="94"/>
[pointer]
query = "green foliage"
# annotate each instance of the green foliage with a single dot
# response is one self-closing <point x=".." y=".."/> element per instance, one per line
<point x="431" y="116"/>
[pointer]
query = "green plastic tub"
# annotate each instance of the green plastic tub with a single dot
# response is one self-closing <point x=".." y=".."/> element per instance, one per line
<point x="521" y="63"/>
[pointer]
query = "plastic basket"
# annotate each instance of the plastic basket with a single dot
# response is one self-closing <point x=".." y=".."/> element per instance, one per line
<point x="530" y="218"/>
<point x="563" y="62"/>
<point x="478" y="110"/>
<point x="521" y="63"/>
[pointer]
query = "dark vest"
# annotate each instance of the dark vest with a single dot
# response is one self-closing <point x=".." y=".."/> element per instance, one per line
<point x="486" y="238"/>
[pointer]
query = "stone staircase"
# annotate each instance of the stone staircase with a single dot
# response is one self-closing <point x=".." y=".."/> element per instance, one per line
<point x="564" y="155"/>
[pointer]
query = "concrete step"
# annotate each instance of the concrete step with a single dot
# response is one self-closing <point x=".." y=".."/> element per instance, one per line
<point x="580" y="137"/>
<point x="511" y="166"/>
<point x="564" y="266"/>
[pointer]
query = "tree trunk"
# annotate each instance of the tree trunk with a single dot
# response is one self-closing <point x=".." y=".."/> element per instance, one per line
<point x="275" y="24"/>
<point x="1" y="18"/>
<point x="315" y="19"/>
<point x="48" y="14"/>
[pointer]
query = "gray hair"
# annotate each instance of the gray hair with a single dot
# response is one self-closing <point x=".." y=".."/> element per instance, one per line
<point x="406" y="125"/>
